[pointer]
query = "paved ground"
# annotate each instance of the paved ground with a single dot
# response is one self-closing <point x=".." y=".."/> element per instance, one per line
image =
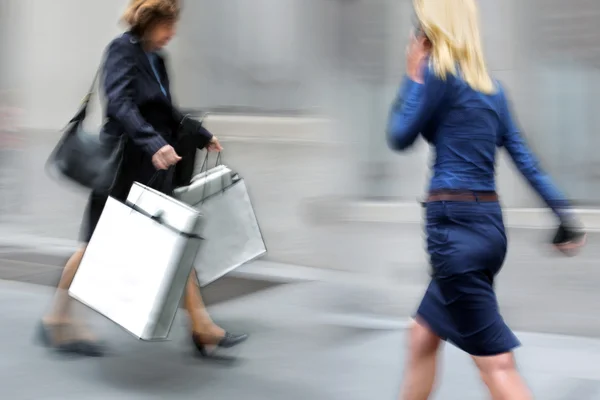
<point x="340" y="337"/>
<point x="296" y="351"/>
<point x="539" y="290"/>
<point x="336" y="338"/>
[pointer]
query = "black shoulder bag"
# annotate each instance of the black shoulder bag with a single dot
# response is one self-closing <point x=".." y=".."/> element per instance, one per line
<point x="90" y="160"/>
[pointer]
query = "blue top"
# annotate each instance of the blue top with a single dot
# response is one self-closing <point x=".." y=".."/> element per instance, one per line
<point x="153" y="60"/>
<point x="465" y="127"/>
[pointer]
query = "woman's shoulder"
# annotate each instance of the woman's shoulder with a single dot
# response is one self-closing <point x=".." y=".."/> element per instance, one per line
<point x="498" y="86"/>
<point x="430" y="74"/>
<point x="499" y="93"/>
<point x="432" y="79"/>
<point x="123" y="42"/>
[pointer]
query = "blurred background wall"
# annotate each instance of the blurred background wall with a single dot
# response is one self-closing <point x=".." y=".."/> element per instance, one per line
<point x="300" y="91"/>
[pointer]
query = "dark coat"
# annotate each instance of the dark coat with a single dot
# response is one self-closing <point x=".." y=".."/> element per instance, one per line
<point x="137" y="107"/>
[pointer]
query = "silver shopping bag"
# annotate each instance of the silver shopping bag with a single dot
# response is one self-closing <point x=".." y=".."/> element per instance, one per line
<point x="205" y="184"/>
<point x="138" y="261"/>
<point x="231" y="232"/>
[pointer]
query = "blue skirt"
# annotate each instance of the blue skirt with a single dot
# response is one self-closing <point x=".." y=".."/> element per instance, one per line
<point x="466" y="242"/>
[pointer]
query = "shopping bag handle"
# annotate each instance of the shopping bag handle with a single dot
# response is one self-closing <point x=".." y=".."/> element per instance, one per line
<point x="150" y="182"/>
<point x="156" y="173"/>
<point x="158" y="218"/>
<point x="158" y="215"/>
<point x="218" y="161"/>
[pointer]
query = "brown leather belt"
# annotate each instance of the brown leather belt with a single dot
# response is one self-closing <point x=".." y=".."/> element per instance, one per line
<point x="462" y="196"/>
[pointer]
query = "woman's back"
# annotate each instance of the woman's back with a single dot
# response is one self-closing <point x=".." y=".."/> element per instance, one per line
<point x="465" y="132"/>
<point x="465" y="127"/>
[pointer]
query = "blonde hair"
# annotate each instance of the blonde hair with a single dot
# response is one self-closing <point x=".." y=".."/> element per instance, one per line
<point x="141" y="14"/>
<point x="452" y="26"/>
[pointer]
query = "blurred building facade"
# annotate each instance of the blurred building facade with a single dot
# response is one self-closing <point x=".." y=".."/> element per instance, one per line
<point x="344" y="58"/>
<point x="564" y="77"/>
<point x="306" y="74"/>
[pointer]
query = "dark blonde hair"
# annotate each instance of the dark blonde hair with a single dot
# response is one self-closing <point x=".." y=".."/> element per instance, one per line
<point x="141" y="14"/>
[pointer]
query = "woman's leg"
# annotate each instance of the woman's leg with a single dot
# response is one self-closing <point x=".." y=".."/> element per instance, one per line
<point x="60" y="310"/>
<point x="59" y="329"/>
<point x="204" y="331"/>
<point x="500" y="375"/>
<point x="421" y="367"/>
<point x="201" y="322"/>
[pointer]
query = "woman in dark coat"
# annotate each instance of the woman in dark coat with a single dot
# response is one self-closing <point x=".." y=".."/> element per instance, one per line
<point x="139" y="105"/>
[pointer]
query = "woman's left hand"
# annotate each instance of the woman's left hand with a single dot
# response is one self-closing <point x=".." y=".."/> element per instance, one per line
<point x="569" y="238"/>
<point x="417" y="52"/>
<point x="214" y="145"/>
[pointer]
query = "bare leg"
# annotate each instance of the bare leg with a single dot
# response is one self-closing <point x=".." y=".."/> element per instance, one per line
<point x="59" y="318"/>
<point x="500" y="375"/>
<point x="421" y="367"/>
<point x="205" y="333"/>
<point x="201" y="322"/>
<point x="61" y="312"/>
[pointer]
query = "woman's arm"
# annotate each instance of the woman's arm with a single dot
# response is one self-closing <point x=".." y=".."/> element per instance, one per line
<point x="413" y="108"/>
<point x="119" y="72"/>
<point x="528" y="165"/>
<point x="189" y="131"/>
<point x="188" y="126"/>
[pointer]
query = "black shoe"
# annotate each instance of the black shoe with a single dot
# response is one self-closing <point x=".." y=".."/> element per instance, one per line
<point x="77" y="347"/>
<point x="227" y="341"/>
<point x="45" y="338"/>
<point x="88" y="348"/>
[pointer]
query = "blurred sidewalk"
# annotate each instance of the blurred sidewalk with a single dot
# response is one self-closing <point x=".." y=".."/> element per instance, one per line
<point x="538" y="290"/>
<point x="297" y="351"/>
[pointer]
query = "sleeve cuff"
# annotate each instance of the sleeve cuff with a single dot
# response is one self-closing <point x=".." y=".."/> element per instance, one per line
<point x="408" y="85"/>
<point x="206" y="136"/>
<point x="154" y="144"/>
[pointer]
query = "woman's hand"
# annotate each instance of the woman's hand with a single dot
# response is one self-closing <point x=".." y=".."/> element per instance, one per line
<point x="165" y="157"/>
<point x="214" y="145"/>
<point x="572" y="247"/>
<point x="570" y="237"/>
<point x="417" y="52"/>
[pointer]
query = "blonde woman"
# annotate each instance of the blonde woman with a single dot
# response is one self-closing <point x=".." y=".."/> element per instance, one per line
<point x="449" y="98"/>
<point x="139" y="105"/>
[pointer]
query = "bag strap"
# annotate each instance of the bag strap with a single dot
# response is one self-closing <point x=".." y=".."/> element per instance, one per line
<point x="82" y="111"/>
<point x="90" y="93"/>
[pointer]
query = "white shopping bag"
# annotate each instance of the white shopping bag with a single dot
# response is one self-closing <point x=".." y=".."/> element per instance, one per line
<point x="205" y="184"/>
<point x="231" y="232"/>
<point x="138" y="261"/>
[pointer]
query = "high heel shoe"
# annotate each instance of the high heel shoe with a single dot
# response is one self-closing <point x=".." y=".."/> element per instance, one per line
<point x="90" y="348"/>
<point x="226" y="341"/>
<point x="77" y="347"/>
<point x="45" y="338"/>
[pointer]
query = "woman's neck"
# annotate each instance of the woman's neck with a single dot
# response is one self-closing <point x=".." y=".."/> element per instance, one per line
<point x="147" y="46"/>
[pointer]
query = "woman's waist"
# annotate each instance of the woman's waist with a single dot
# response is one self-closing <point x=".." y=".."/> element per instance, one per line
<point x="473" y="176"/>
<point x="462" y="195"/>
<point x="463" y="206"/>
<point x="455" y="184"/>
